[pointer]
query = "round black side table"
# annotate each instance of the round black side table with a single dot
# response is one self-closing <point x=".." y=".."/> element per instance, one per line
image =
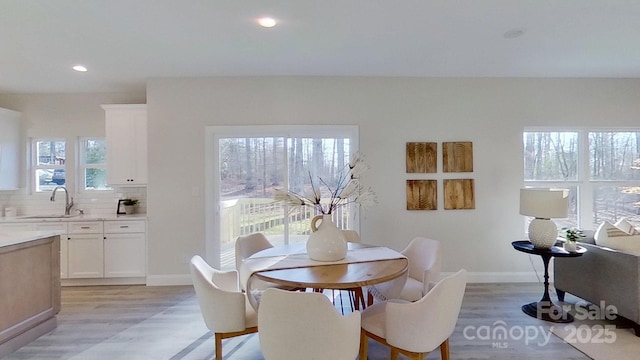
<point x="545" y="309"/>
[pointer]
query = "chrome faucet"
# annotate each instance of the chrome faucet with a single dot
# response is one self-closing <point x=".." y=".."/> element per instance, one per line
<point x="68" y="204"/>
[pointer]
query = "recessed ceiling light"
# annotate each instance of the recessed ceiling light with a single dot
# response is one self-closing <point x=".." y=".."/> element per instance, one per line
<point x="514" y="33"/>
<point x="79" y="68"/>
<point x="267" y="22"/>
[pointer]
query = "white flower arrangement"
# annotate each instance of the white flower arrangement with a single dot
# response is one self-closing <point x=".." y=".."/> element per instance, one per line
<point x="347" y="190"/>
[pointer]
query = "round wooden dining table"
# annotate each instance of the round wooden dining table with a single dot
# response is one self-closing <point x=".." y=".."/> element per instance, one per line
<point x="351" y="273"/>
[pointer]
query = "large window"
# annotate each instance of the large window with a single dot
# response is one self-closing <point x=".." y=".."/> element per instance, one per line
<point x="600" y="168"/>
<point x="249" y="163"/>
<point x="49" y="163"/>
<point x="93" y="172"/>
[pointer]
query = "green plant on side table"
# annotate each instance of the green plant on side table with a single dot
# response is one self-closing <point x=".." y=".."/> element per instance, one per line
<point x="572" y="235"/>
<point x="130" y="206"/>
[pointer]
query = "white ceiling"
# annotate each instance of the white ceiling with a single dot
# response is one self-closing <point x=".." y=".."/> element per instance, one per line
<point x="125" y="42"/>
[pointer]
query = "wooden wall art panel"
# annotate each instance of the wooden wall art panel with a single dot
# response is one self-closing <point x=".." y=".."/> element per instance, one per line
<point x="457" y="156"/>
<point x="422" y="195"/>
<point x="459" y="194"/>
<point x="422" y="157"/>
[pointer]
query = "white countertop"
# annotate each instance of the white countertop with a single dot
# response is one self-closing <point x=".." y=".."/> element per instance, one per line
<point x="17" y="237"/>
<point x="31" y="218"/>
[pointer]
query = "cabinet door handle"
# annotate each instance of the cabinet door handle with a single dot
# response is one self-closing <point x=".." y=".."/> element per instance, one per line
<point x="85" y="227"/>
<point x="124" y="226"/>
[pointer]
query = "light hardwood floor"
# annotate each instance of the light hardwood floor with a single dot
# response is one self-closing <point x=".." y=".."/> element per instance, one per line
<point x="138" y="322"/>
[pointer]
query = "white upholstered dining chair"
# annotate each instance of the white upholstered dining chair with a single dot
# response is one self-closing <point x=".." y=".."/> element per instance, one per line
<point x="297" y="325"/>
<point x="416" y="328"/>
<point x="425" y="259"/>
<point x="225" y="308"/>
<point x="250" y="244"/>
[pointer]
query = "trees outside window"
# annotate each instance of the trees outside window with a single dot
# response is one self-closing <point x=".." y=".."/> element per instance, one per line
<point x="600" y="168"/>
<point x="251" y="169"/>
<point x="93" y="164"/>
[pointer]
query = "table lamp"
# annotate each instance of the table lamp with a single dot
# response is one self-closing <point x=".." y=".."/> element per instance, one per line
<point x="543" y="204"/>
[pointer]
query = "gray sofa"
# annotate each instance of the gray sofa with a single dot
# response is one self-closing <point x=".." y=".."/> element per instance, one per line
<point x="602" y="275"/>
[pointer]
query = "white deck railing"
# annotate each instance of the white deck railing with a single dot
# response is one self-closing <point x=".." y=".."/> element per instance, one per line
<point x="247" y="215"/>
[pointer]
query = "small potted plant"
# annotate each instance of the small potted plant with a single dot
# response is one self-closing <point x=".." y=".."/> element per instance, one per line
<point x="572" y="235"/>
<point x="130" y="206"/>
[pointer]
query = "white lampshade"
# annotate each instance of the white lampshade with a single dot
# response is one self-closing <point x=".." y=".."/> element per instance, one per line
<point x="544" y="203"/>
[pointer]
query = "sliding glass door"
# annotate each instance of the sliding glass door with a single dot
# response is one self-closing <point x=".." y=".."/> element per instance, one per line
<point x="250" y="163"/>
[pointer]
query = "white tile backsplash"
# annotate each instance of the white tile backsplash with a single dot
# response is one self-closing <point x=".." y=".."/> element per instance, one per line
<point x="92" y="203"/>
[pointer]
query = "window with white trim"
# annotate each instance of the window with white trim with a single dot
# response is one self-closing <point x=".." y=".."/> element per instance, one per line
<point x="49" y="163"/>
<point x="93" y="164"/>
<point x="600" y="167"/>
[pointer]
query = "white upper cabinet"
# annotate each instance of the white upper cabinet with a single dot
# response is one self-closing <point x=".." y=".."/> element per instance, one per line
<point x="9" y="149"/>
<point x="126" y="135"/>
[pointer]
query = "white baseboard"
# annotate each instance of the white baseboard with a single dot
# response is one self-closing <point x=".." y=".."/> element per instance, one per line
<point x="169" y="280"/>
<point x="104" y="281"/>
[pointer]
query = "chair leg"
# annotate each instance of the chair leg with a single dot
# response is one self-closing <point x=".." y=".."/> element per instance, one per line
<point x="394" y="354"/>
<point x="359" y="301"/>
<point x="364" y="344"/>
<point x="218" y="346"/>
<point x="352" y="299"/>
<point x="444" y="350"/>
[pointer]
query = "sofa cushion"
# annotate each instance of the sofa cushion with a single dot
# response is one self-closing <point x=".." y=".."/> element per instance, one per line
<point x="624" y="225"/>
<point x="608" y="235"/>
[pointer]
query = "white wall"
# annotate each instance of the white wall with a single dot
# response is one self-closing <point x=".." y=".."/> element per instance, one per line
<point x="389" y="111"/>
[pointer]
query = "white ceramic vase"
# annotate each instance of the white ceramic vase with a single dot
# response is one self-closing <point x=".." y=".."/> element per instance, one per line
<point x="570" y="246"/>
<point x="326" y="242"/>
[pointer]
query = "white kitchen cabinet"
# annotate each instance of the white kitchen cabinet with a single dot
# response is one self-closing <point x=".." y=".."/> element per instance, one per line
<point x="124" y="249"/>
<point x="97" y="252"/>
<point x="9" y="149"/>
<point x="126" y="137"/>
<point x="85" y="249"/>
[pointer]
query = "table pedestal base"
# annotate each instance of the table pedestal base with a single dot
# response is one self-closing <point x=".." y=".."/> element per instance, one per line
<point x="547" y="311"/>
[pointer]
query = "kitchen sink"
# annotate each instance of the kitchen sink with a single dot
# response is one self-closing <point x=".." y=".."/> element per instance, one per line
<point x="49" y="216"/>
